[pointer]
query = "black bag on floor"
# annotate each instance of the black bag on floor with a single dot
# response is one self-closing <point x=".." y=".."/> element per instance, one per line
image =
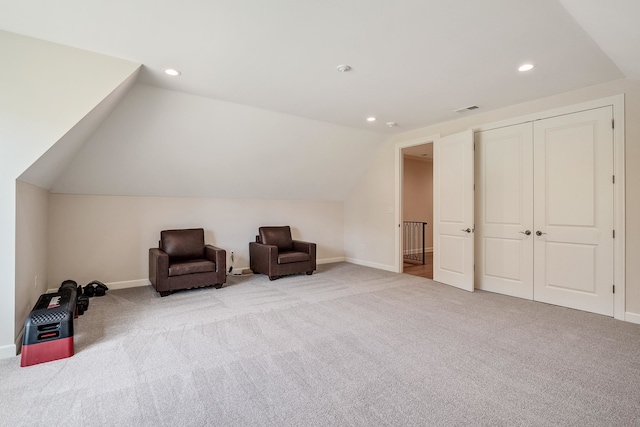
<point x="95" y="288"/>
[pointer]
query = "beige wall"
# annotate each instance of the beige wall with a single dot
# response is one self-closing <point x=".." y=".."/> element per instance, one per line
<point x="107" y="238"/>
<point x="32" y="211"/>
<point x="369" y="219"/>
<point x="369" y="198"/>
<point x="417" y="198"/>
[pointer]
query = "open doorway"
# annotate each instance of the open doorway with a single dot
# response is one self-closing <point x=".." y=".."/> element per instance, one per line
<point x="417" y="210"/>
<point x="453" y="261"/>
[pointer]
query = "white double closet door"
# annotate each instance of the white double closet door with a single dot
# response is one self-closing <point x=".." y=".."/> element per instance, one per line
<point x="544" y="210"/>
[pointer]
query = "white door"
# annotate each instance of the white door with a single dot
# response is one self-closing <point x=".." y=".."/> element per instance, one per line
<point x="573" y="211"/>
<point x="504" y="210"/>
<point x="453" y="210"/>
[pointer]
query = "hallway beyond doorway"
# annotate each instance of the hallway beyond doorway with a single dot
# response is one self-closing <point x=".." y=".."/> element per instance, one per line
<point x="420" y="270"/>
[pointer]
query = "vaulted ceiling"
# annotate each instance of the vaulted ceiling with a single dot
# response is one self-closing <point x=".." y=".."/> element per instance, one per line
<point x="413" y="61"/>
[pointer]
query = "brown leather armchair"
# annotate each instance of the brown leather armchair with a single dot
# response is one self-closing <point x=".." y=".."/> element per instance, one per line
<point x="183" y="261"/>
<point x="276" y="254"/>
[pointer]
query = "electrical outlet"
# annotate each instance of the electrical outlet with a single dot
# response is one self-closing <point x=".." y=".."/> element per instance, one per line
<point x="35" y="283"/>
<point x="231" y="256"/>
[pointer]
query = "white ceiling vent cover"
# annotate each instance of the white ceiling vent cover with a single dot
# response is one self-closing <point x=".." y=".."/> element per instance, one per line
<point x="463" y="109"/>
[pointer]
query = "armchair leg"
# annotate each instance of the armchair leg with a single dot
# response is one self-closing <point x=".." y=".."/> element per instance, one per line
<point x="164" y="293"/>
<point x="309" y="273"/>
<point x="274" y="277"/>
<point x="218" y="286"/>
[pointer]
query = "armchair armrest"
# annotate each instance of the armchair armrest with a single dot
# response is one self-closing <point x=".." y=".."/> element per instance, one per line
<point x="158" y="265"/>
<point x="307" y="247"/>
<point x="217" y="255"/>
<point x="300" y="246"/>
<point x="263" y="257"/>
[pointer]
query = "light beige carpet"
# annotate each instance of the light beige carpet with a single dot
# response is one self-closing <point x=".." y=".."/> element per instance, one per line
<point x="348" y="346"/>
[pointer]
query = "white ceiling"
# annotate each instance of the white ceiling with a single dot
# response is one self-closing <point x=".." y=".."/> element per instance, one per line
<point x="414" y="61"/>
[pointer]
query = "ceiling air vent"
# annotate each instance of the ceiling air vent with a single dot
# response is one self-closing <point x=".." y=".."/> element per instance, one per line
<point x="463" y="109"/>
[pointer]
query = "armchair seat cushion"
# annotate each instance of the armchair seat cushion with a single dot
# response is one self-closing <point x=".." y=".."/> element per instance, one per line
<point x="292" y="256"/>
<point x="191" y="266"/>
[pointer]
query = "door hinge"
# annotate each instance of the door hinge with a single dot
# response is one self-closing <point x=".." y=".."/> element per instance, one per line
<point x="613" y="123"/>
<point x="614" y="179"/>
<point x="614" y="234"/>
<point x="614" y="289"/>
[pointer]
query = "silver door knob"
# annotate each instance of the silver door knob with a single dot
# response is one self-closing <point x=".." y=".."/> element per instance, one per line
<point x="528" y="232"/>
<point x="468" y="230"/>
<point x="539" y="233"/>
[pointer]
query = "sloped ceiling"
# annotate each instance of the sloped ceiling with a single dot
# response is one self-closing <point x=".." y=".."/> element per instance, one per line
<point x="414" y="61"/>
<point x="45" y="171"/>
<point x="158" y="142"/>
<point x="46" y="92"/>
<point x="614" y="26"/>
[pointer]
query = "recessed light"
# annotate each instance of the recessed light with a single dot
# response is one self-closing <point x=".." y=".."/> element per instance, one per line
<point x="392" y="124"/>
<point x="371" y="119"/>
<point x="172" y="72"/>
<point x="343" y="68"/>
<point x="525" y="67"/>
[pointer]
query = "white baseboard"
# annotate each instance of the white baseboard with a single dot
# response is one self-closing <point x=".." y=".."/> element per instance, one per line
<point x="236" y="271"/>
<point x="371" y="264"/>
<point x="128" y="284"/>
<point x="632" y="317"/>
<point x="8" y="350"/>
<point x="330" y="260"/>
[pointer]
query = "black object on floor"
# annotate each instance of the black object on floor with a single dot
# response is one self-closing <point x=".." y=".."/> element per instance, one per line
<point x="48" y="331"/>
<point x="95" y="288"/>
<point x="81" y="302"/>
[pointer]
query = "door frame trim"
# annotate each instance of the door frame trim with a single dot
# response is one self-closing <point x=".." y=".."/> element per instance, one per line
<point x="399" y="182"/>
<point x="619" y="254"/>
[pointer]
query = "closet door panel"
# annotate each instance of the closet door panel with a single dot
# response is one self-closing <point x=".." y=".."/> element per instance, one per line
<point x="569" y="156"/>
<point x="504" y="210"/>
<point x="573" y="202"/>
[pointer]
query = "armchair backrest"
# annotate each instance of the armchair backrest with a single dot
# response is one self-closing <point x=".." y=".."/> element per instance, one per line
<point x="278" y="236"/>
<point x="187" y="243"/>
